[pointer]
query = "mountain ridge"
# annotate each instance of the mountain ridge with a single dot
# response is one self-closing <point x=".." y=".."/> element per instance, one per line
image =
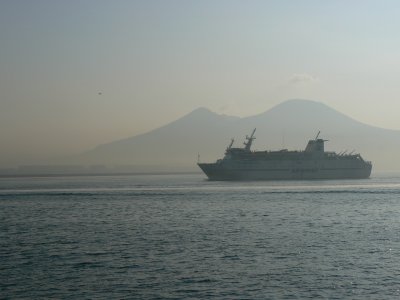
<point x="287" y="125"/>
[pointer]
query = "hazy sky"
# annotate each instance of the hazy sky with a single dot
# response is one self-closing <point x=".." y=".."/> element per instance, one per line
<point x="74" y="74"/>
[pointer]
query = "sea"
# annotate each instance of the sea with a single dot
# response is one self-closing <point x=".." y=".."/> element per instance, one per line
<point x="180" y="236"/>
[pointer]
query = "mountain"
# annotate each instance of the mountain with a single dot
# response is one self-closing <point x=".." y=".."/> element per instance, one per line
<point x="174" y="146"/>
<point x="290" y="124"/>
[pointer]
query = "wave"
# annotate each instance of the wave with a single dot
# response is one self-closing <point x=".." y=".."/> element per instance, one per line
<point x="202" y="191"/>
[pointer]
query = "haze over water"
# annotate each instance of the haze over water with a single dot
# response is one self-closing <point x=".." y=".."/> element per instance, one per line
<point x="181" y="236"/>
<point x="147" y="86"/>
<point x="75" y="75"/>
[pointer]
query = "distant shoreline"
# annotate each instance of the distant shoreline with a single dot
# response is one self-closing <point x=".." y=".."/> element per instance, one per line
<point x="37" y="175"/>
<point x="97" y="174"/>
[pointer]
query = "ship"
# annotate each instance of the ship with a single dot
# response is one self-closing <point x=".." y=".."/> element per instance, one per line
<point x="311" y="163"/>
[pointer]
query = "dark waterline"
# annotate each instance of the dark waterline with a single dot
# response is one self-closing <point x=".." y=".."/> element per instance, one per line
<point x="181" y="237"/>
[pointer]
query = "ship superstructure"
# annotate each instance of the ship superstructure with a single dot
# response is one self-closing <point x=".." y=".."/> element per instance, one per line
<point x="311" y="163"/>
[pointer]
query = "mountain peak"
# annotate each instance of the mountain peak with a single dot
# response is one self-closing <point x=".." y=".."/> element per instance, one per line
<point x="201" y="111"/>
<point x="302" y="103"/>
<point x="303" y="106"/>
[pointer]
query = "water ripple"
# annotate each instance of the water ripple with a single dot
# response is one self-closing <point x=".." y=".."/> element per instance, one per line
<point x="180" y="238"/>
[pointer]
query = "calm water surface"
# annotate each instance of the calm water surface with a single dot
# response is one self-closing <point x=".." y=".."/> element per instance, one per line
<point x="183" y="237"/>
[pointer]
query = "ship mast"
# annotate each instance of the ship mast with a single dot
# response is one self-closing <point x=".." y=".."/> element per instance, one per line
<point x="230" y="145"/>
<point x="247" y="145"/>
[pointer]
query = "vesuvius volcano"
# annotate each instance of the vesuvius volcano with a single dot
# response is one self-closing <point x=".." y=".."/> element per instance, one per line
<point x="290" y="125"/>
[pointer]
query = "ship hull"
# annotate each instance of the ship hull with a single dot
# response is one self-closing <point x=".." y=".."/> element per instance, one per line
<point x="314" y="170"/>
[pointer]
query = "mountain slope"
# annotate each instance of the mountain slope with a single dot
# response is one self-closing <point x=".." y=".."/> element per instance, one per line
<point x="175" y="145"/>
<point x="288" y="125"/>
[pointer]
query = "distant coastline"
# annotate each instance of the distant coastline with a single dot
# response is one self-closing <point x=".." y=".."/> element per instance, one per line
<point x="12" y="173"/>
<point x="378" y="173"/>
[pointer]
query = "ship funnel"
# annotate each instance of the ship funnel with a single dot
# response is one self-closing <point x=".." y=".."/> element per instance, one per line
<point x="316" y="146"/>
